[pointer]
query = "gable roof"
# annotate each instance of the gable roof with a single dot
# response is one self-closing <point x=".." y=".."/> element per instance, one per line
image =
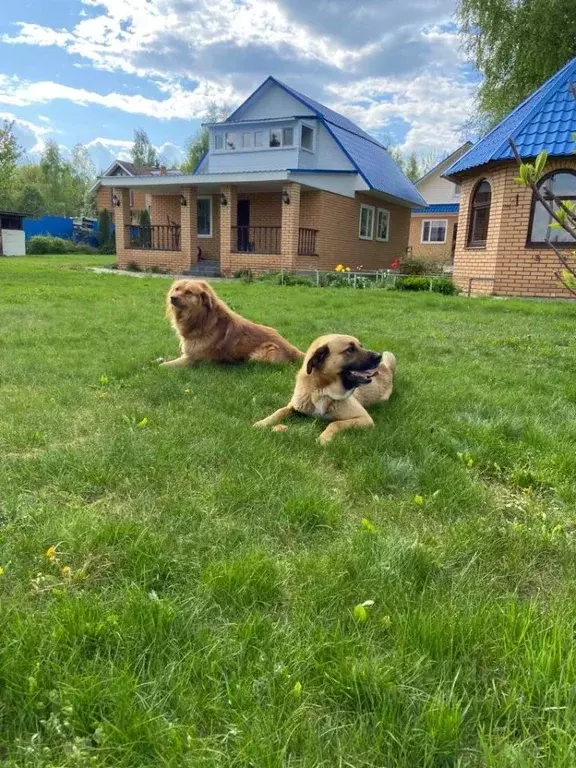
<point x="446" y="163"/>
<point x="367" y="155"/>
<point x="544" y="121"/>
<point x="439" y="208"/>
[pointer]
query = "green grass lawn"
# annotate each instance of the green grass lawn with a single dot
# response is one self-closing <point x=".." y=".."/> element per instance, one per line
<point x="197" y="609"/>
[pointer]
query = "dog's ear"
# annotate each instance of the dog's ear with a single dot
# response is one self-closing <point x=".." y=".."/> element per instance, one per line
<point x="317" y="358"/>
<point x="207" y="300"/>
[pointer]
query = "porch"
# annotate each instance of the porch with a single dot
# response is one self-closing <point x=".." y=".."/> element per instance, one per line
<point x="260" y="226"/>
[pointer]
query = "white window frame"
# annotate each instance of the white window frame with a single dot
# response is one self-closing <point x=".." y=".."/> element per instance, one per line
<point x="434" y="221"/>
<point x="378" y="212"/>
<point x="311" y="128"/>
<point x="372" y="209"/>
<point x="288" y="128"/>
<point x="222" y="138"/>
<point x="250" y="136"/>
<point x="235" y="147"/>
<point x="207" y="197"/>
<point x="261" y="145"/>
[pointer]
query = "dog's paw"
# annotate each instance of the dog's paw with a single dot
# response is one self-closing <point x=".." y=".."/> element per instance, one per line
<point x="324" y="438"/>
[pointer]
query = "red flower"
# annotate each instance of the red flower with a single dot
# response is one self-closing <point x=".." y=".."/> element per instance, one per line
<point x="395" y="264"/>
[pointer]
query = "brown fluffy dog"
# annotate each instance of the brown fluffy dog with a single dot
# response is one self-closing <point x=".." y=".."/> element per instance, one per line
<point x="209" y="330"/>
<point x="337" y="380"/>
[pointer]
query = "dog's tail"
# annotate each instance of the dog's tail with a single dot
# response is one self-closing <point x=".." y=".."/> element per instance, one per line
<point x="389" y="360"/>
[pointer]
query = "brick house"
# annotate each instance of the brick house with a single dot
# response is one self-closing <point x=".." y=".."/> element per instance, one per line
<point x="285" y="183"/>
<point x="503" y="232"/>
<point x="433" y="228"/>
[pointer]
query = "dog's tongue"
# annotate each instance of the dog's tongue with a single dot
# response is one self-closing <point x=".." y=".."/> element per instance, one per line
<point x="372" y="372"/>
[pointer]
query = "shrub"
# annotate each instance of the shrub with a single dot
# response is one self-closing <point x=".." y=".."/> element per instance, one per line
<point x="245" y="275"/>
<point x="41" y="245"/>
<point x="133" y="266"/>
<point x="414" y="267"/>
<point x="439" y="284"/>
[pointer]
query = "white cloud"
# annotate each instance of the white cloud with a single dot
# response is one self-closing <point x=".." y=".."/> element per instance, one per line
<point x="30" y="136"/>
<point x="201" y="51"/>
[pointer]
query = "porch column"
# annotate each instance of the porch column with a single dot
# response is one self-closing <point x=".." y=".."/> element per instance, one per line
<point x="290" y="224"/>
<point x="227" y="221"/>
<point x="189" y="225"/>
<point x="121" y="220"/>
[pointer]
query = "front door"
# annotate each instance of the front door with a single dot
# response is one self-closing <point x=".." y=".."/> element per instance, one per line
<point x="243" y="225"/>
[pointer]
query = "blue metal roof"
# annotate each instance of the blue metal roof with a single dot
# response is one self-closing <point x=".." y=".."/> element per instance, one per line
<point x="439" y="208"/>
<point x="544" y="121"/>
<point x="367" y="155"/>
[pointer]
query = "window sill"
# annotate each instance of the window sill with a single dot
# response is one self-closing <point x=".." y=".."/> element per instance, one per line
<point x="381" y="240"/>
<point x="204" y="237"/>
<point x="475" y="248"/>
<point x="368" y="239"/>
<point x="432" y="242"/>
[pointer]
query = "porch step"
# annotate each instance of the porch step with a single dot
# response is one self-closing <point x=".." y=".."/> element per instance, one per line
<point x="204" y="269"/>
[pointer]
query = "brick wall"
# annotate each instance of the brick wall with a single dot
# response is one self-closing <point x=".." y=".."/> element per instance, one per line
<point x="164" y="207"/>
<point x="338" y="241"/>
<point x="431" y="251"/>
<point x="104" y="200"/>
<point x="513" y="269"/>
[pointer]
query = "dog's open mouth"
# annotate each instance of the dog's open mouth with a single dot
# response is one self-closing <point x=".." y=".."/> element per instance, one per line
<point x="362" y="377"/>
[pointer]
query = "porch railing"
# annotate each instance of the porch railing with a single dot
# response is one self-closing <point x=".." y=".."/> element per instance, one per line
<point x="157" y="237"/>
<point x="307" y="242"/>
<point x="256" y="239"/>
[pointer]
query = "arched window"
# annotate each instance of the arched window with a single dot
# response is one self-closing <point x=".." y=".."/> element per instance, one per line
<point x="562" y="184"/>
<point x="479" y="215"/>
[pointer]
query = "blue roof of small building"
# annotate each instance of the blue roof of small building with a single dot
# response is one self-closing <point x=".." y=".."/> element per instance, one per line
<point x="546" y="120"/>
<point x="367" y="155"/>
<point x="439" y="208"/>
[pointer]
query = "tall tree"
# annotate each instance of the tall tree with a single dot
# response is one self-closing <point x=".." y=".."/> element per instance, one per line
<point x="31" y="201"/>
<point x="516" y="45"/>
<point x="143" y="153"/>
<point x="84" y="173"/>
<point x="10" y="152"/>
<point x="198" y="144"/>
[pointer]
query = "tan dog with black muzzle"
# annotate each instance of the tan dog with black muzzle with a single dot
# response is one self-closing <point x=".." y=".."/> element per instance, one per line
<point x="337" y="381"/>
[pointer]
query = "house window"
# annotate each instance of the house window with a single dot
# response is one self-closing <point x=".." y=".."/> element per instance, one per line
<point x="218" y="141"/>
<point x="366" y="229"/>
<point x="246" y="140"/>
<point x="287" y="137"/>
<point x="561" y="184"/>
<point x="434" y="231"/>
<point x="259" y="139"/>
<point x="457" y="190"/>
<point x="275" y="138"/>
<point x="479" y="215"/>
<point x="382" y="225"/>
<point x="204" y="208"/>
<point x="307" y="138"/>
<point x="231" y="141"/>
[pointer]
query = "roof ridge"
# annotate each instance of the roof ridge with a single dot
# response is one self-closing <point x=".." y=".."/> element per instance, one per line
<point x="547" y="85"/>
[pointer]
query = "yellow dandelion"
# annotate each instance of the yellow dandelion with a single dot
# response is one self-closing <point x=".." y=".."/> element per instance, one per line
<point x="66" y="571"/>
<point x="418" y="500"/>
<point x="339" y="268"/>
<point x="347" y="269"/>
<point x="1" y="571"/>
<point x="51" y="553"/>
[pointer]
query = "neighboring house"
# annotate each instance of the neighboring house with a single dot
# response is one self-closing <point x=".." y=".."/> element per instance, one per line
<point x="138" y="199"/>
<point x="503" y="232"/>
<point x="433" y="228"/>
<point x="285" y="183"/>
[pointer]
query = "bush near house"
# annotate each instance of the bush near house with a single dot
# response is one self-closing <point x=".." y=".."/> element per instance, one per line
<point x="42" y="245"/>
<point x="435" y="284"/>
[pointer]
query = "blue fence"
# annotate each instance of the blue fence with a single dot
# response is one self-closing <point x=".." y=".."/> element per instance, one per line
<point x="58" y="226"/>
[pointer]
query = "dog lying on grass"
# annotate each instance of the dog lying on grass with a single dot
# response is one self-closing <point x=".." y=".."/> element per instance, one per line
<point x="210" y="330"/>
<point x="337" y="381"/>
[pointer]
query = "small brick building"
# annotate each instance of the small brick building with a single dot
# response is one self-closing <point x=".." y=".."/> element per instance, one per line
<point x="503" y="232"/>
<point x="285" y="183"/>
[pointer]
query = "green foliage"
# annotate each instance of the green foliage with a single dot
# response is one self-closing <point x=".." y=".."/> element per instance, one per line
<point x="10" y="152"/>
<point x="516" y="45"/>
<point x="105" y="234"/>
<point x="41" y="245"/>
<point x="144" y="218"/>
<point x="31" y="201"/>
<point x="142" y="152"/>
<point x="435" y="284"/>
<point x="197" y="145"/>
<point x="531" y="173"/>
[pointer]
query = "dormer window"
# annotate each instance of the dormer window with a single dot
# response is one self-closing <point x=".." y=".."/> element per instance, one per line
<point x="288" y="137"/>
<point x="307" y="138"/>
<point x="218" y="141"/>
<point x="275" y="137"/>
<point x="259" y="139"/>
<point x="231" y="141"/>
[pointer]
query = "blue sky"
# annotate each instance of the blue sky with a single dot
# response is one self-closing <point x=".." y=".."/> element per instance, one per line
<point x="91" y="71"/>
